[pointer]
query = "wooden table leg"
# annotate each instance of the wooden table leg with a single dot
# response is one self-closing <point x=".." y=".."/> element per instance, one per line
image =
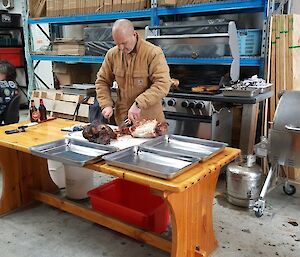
<point x="21" y="174"/>
<point x="10" y="195"/>
<point x="192" y="222"/>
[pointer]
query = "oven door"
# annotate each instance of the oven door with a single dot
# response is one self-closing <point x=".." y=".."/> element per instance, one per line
<point x="188" y="125"/>
<point x="217" y="127"/>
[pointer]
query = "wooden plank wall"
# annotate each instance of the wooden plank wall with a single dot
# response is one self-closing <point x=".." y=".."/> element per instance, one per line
<point x="285" y="61"/>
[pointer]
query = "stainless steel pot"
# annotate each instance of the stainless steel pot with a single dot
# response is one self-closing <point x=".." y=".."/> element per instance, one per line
<point x="244" y="181"/>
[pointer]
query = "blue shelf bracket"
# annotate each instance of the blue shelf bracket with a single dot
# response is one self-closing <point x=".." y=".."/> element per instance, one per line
<point x="154" y="16"/>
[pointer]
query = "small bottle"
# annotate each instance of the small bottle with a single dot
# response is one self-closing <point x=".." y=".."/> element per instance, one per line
<point x="42" y="111"/>
<point x="34" y="113"/>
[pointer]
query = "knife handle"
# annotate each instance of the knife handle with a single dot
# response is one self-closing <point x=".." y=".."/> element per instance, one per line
<point x="12" y="131"/>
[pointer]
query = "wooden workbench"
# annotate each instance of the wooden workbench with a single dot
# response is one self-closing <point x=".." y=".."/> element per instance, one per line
<point x="189" y="196"/>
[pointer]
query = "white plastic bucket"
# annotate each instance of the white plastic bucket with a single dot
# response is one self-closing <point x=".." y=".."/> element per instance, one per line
<point x="78" y="182"/>
<point x="57" y="173"/>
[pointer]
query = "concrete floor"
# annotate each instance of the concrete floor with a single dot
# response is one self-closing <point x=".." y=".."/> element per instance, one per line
<point x="43" y="231"/>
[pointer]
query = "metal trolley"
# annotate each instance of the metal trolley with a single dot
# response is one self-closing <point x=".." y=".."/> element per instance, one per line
<point x="283" y="147"/>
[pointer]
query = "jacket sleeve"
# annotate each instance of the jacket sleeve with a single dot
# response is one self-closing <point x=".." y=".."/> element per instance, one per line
<point x="105" y="78"/>
<point x="159" y="76"/>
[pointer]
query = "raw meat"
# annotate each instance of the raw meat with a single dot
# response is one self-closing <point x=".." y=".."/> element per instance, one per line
<point x="99" y="133"/>
<point x="149" y="128"/>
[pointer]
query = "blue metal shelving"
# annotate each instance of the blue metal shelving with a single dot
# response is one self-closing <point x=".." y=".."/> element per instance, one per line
<point x="67" y="58"/>
<point x="245" y="61"/>
<point x="154" y="14"/>
<point x="223" y="6"/>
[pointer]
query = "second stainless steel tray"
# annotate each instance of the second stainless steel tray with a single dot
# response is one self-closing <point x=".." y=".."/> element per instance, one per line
<point x="185" y="146"/>
<point x="243" y="92"/>
<point x="150" y="162"/>
<point x="72" y="151"/>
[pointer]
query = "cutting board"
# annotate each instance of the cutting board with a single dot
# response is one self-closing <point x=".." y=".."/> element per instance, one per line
<point x="121" y="142"/>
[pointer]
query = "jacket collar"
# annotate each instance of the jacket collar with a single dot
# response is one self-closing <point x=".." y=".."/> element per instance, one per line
<point x="137" y="45"/>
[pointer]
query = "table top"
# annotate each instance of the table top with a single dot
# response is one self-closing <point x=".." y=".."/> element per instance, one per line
<point x="41" y="133"/>
<point x="51" y="130"/>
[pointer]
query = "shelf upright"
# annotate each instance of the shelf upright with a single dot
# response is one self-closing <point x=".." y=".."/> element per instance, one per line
<point x="27" y="47"/>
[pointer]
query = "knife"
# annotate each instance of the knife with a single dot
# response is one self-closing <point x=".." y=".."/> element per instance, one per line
<point x="126" y="123"/>
<point x="22" y="128"/>
<point x="13" y="131"/>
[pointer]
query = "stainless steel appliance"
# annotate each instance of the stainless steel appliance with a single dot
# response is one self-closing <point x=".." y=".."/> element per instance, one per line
<point x="213" y="38"/>
<point x="188" y="116"/>
<point x="244" y="181"/>
<point x="284" y="146"/>
<point x="185" y="112"/>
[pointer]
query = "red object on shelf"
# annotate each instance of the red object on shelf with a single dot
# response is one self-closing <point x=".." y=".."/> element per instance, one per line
<point x="13" y="55"/>
<point x="131" y="202"/>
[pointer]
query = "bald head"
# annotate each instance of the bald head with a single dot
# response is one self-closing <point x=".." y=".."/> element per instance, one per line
<point x="122" y="26"/>
<point x="124" y="35"/>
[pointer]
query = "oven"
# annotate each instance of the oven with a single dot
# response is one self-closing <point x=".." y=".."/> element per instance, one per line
<point x="197" y="118"/>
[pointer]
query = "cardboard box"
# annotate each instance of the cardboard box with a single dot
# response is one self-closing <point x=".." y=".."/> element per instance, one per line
<point x="100" y="8"/>
<point x="108" y="5"/>
<point x="68" y="47"/>
<point x="50" y="7"/>
<point x="166" y="2"/>
<point x="141" y="33"/>
<point x="117" y="5"/>
<point x="68" y="74"/>
<point x="37" y="8"/>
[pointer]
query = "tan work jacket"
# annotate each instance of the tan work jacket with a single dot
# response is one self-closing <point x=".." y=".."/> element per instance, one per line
<point x="142" y="76"/>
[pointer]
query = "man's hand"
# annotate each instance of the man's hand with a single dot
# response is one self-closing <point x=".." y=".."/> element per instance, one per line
<point x="134" y="113"/>
<point x="107" y="112"/>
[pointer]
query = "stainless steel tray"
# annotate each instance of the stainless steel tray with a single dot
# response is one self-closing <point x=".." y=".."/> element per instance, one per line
<point x="80" y="89"/>
<point x="72" y="151"/>
<point x="185" y="146"/>
<point x="264" y="89"/>
<point x="245" y="92"/>
<point x="150" y="162"/>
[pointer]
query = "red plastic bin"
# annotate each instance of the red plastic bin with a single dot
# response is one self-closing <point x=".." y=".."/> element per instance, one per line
<point x="13" y="55"/>
<point x="132" y="203"/>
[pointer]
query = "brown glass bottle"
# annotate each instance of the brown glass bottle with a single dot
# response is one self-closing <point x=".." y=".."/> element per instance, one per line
<point x="42" y="111"/>
<point x="34" y="114"/>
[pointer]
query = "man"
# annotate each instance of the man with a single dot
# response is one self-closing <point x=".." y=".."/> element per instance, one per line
<point x="142" y="74"/>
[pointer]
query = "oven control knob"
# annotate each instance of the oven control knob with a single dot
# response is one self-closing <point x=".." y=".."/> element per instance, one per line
<point x="163" y="102"/>
<point x="200" y="105"/>
<point x="172" y="102"/>
<point x="192" y="105"/>
<point x="185" y="104"/>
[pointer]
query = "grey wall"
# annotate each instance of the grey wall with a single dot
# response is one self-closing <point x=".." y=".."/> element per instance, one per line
<point x="16" y="9"/>
<point x="295" y="6"/>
